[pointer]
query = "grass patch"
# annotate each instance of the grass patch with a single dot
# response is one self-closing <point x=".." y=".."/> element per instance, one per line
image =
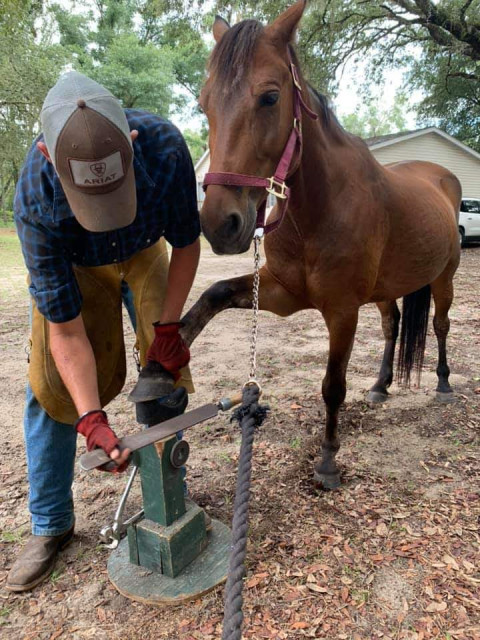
<point x="4" y="613"/>
<point x="12" y="536"/>
<point x="10" y="251"/>
<point x="56" y="575"/>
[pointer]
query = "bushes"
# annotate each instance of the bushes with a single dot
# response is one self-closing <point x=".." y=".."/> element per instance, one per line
<point x="6" y="218"/>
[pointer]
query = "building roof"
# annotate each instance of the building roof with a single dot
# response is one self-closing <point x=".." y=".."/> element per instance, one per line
<point x="378" y="142"/>
<point x="390" y="136"/>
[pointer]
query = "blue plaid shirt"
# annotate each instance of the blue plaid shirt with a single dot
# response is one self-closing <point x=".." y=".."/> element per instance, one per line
<point x="53" y="241"/>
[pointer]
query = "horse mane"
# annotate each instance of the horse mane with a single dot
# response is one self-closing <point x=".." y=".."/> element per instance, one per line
<point x="230" y="59"/>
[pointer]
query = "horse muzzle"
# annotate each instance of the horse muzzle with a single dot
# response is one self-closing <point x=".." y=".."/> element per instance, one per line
<point x="229" y="233"/>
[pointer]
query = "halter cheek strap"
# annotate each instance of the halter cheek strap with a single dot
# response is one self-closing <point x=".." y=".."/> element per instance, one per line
<point x="276" y="184"/>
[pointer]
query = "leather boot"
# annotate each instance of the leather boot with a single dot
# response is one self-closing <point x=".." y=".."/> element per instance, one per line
<point x="36" y="561"/>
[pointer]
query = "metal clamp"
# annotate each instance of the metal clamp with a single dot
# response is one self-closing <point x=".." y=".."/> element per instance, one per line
<point x="275" y="184"/>
<point x="111" y="535"/>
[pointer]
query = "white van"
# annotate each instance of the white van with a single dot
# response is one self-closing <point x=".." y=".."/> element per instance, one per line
<point x="469" y="222"/>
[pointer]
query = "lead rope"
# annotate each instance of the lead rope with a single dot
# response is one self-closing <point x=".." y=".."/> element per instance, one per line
<point x="250" y="415"/>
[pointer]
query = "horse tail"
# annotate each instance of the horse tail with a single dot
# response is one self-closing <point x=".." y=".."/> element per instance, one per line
<point x="413" y="334"/>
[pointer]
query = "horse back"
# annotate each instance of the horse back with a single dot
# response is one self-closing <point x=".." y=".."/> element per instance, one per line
<point x="440" y="178"/>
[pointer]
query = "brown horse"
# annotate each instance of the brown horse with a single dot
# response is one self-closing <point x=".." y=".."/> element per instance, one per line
<point x="354" y="231"/>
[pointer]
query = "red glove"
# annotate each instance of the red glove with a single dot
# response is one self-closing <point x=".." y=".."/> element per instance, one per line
<point x="169" y="348"/>
<point x="94" y="426"/>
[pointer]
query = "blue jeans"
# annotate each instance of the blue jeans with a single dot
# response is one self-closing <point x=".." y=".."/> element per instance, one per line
<point x="51" y="448"/>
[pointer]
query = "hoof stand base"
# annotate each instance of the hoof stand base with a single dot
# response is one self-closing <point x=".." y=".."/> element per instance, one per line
<point x="203" y="574"/>
<point x="168" y="549"/>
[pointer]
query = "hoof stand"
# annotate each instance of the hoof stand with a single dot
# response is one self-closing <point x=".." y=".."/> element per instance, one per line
<point x="171" y="555"/>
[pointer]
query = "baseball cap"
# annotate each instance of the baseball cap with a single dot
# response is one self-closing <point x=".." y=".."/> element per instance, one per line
<point x="88" y="138"/>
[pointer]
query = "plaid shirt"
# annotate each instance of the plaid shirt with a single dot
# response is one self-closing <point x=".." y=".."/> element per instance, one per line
<point x="53" y="241"/>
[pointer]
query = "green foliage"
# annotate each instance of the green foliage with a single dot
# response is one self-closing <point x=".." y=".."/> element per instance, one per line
<point x="197" y="143"/>
<point x="141" y="50"/>
<point x="29" y="66"/>
<point x="371" y="120"/>
<point x="453" y="98"/>
<point x="140" y="75"/>
<point x="437" y="44"/>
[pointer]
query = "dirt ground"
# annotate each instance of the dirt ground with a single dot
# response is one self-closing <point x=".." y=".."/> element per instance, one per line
<point x="393" y="554"/>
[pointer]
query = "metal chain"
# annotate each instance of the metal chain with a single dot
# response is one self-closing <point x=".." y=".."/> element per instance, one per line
<point x="257" y="241"/>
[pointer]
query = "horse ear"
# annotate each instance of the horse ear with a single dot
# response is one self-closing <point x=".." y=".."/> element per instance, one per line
<point x="283" y="28"/>
<point x="220" y="26"/>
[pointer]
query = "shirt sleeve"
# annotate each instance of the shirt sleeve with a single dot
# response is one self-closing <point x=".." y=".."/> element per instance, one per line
<point x="52" y="281"/>
<point x="183" y="222"/>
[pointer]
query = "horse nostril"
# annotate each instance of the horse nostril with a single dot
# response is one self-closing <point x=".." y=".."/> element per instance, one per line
<point x="231" y="227"/>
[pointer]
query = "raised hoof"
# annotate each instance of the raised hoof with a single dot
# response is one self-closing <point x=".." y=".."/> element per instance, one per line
<point x="377" y="397"/>
<point x="445" y="397"/>
<point x="156" y="411"/>
<point x="326" y="481"/>
<point x="153" y="383"/>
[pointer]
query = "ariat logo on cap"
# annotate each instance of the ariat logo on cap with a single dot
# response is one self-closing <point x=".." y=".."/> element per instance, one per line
<point x="86" y="173"/>
<point x="98" y="168"/>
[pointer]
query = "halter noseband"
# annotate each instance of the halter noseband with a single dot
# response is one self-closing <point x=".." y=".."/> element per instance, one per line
<point x="276" y="184"/>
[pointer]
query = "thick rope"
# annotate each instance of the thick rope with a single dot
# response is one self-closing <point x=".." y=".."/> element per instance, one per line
<point x="250" y="415"/>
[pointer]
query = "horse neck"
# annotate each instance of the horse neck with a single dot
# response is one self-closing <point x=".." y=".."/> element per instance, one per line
<point x="310" y="184"/>
<point x="320" y="172"/>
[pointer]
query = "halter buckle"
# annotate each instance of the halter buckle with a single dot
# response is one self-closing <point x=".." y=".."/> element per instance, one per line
<point x="276" y="188"/>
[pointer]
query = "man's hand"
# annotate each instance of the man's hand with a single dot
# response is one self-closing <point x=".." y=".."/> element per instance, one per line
<point x="168" y="348"/>
<point x="94" y="426"/>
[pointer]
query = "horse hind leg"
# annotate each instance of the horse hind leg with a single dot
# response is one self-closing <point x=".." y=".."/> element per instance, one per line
<point x="442" y="291"/>
<point x="390" y="322"/>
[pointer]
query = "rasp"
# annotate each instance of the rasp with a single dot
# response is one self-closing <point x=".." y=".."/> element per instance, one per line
<point x="98" y="457"/>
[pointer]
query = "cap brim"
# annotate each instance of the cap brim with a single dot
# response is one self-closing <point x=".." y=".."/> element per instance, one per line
<point x="107" y="211"/>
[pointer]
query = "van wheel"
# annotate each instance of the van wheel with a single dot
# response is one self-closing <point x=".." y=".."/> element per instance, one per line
<point x="461" y="236"/>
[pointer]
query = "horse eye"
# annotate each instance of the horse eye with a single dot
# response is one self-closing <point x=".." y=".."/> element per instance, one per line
<point x="269" y="99"/>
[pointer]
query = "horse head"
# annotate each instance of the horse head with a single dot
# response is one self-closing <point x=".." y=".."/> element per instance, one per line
<point x="248" y="100"/>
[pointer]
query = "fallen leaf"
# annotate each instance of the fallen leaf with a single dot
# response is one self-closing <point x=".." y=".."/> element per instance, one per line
<point x="436" y="607"/>
<point x="300" y="625"/>
<point x="317" y="588"/>
<point x="450" y="561"/>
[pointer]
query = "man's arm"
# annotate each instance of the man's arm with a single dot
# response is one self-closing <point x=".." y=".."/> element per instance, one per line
<point x="73" y="355"/>
<point x="181" y="274"/>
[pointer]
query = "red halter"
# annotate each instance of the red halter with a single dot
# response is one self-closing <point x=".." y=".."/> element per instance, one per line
<point x="276" y="184"/>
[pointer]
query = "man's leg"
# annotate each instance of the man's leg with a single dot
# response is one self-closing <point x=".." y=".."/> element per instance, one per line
<point x="50" y="448"/>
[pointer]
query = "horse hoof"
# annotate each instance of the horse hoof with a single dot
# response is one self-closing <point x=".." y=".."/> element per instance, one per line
<point x="445" y="397"/>
<point x="326" y="481"/>
<point x="377" y="397"/>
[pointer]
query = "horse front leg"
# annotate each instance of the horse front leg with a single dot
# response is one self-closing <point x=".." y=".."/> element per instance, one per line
<point x="390" y="321"/>
<point x="341" y="327"/>
<point x="237" y="293"/>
